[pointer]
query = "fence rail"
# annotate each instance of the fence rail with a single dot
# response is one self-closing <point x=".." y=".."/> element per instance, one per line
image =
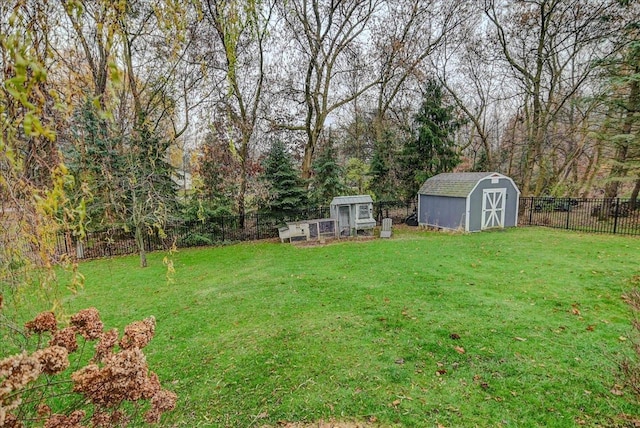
<point x="613" y="216"/>
<point x="217" y="230"/>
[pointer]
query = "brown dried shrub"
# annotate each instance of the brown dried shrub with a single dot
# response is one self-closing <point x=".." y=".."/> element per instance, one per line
<point x="104" y="347"/>
<point x="10" y="421"/>
<point x="16" y="372"/>
<point x="46" y="321"/>
<point x="162" y="401"/>
<point x="124" y="377"/>
<point x="87" y="323"/>
<point x="102" y="419"/>
<point x="138" y="334"/>
<point x="74" y="420"/>
<point x="54" y="359"/>
<point x="111" y="379"/>
<point x="65" y="338"/>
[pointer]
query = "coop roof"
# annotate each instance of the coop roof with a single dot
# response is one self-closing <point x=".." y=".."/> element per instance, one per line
<point x="348" y="200"/>
<point x="454" y="184"/>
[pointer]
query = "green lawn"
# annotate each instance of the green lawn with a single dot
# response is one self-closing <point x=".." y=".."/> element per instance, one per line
<point x="517" y="328"/>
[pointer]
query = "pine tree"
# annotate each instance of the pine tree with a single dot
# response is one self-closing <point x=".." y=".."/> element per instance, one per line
<point x="382" y="170"/>
<point x="287" y="194"/>
<point x="93" y="158"/>
<point x="432" y="149"/>
<point x="328" y="176"/>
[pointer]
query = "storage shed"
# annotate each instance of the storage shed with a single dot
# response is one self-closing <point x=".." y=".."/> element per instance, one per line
<point x="470" y="201"/>
<point x="353" y="213"/>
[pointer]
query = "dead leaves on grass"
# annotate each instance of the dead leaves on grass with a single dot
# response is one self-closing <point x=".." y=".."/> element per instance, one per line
<point x="326" y="424"/>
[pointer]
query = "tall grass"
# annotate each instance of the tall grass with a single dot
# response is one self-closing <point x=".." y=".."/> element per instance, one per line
<point x="517" y="328"/>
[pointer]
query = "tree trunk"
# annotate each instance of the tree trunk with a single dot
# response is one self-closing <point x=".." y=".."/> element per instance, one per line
<point x="307" y="161"/>
<point x="241" y="194"/>
<point x="140" y="244"/>
<point x="633" y="202"/>
<point x="620" y="169"/>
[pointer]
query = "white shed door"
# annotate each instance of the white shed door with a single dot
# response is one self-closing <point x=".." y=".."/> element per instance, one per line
<point x="493" y="207"/>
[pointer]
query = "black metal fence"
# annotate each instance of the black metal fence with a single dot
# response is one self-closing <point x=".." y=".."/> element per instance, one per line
<point x="213" y="231"/>
<point x="614" y="216"/>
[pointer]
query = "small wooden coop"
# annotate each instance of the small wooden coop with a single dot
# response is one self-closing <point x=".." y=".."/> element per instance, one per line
<point x="469" y="201"/>
<point x="354" y="214"/>
<point x="308" y="230"/>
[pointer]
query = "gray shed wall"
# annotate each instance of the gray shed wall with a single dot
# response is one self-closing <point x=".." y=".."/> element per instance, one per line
<point x="442" y="211"/>
<point x="475" y="203"/>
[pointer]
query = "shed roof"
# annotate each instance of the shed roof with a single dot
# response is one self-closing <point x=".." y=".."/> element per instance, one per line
<point x="454" y="184"/>
<point x="348" y="200"/>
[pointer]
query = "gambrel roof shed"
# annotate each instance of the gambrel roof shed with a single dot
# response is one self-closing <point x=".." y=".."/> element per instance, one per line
<point x="469" y="201"/>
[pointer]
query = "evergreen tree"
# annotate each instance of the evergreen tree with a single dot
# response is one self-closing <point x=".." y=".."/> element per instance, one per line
<point x="214" y="181"/>
<point x="328" y="176"/>
<point x="432" y="149"/>
<point x="357" y="174"/>
<point x="287" y="194"/>
<point x="93" y="158"/>
<point x="382" y="170"/>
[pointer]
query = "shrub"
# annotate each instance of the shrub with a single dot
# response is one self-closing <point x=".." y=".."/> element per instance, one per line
<point x="112" y="387"/>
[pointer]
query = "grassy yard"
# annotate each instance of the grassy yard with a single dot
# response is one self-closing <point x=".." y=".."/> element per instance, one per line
<point x="517" y="328"/>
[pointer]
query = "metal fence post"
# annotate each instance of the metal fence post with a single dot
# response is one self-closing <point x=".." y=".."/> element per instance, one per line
<point x="257" y="226"/>
<point x="531" y="212"/>
<point x="568" y="207"/>
<point x="615" y="216"/>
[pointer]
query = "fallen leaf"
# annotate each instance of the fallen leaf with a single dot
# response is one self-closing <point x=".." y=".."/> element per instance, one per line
<point x="396" y="403"/>
<point x="575" y="311"/>
<point x="373" y="419"/>
<point x="616" y="392"/>
<point x="622" y="338"/>
<point x="459" y="349"/>
<point x="591" y="327"/>
<point x="400" y="361"/>
<point x="263" y="415"/>
<point x="520" y="339"/>
<point x="454" y="336"/>
<point x="441" y="371"/>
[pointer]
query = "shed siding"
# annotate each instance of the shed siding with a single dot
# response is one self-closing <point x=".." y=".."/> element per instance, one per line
<point x="442" y="211"/>
<point x="475" y="201"/>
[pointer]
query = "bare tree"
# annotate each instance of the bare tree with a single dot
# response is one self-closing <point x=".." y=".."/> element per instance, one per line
<point x="406" y="33"/>
<point x="550" y="47"/>
<point x="241" y="29"/>
<point x="323" y="34"/>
